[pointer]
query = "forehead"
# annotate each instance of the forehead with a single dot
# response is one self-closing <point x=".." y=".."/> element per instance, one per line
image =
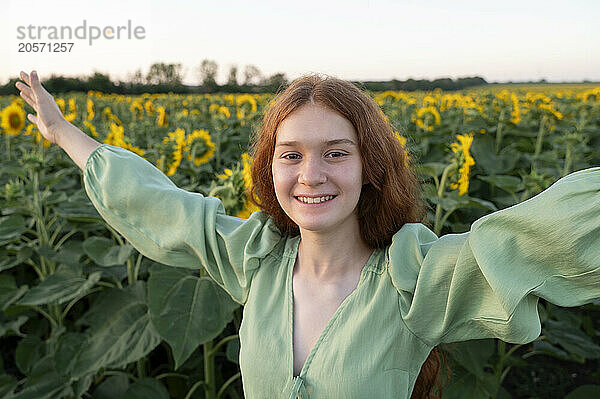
<point x="313" y="124"/>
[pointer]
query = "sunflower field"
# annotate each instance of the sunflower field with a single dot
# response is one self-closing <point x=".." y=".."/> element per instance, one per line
<point x="84" y="315"/>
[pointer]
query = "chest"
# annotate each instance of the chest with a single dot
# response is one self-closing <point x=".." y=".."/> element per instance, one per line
<point x="313" y="308"/>
<point x="366" y="352"/>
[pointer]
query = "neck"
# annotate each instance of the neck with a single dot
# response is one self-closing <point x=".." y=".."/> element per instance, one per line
<point x="329" y="257"/>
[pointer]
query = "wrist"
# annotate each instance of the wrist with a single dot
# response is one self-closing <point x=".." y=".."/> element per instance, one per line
<point x="60" y="131"/>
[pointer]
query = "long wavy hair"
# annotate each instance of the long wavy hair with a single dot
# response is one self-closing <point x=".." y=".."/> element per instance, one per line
<point x="390" y="199"/>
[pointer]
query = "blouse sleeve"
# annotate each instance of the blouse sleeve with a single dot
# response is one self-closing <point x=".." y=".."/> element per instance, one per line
<point x="174" y="226"/>
<point x="486" y="283"/>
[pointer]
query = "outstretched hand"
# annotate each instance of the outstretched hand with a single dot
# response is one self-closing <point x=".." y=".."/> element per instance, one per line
<point x="49" y="117"/>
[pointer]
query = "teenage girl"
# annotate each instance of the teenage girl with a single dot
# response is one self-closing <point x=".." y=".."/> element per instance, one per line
<point x="346" y="293"/>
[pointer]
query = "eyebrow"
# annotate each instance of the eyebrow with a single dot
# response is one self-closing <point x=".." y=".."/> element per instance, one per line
<point x="330" y="142"/>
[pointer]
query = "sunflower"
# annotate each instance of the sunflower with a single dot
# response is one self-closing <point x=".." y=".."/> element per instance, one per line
<point x="464" y="161"/>
<point x="427" y="117"/>
<point x="247" y="170"/>
<point x="137" y="109"/>
<point x="384" y="116"/>
<point x="90" y="109"/>
<point x="449" y="101"/>
<point x="429" y="101"/>
<point x="392" y="96"/>
<point x="227" y="174"/>
<point x="224" y="111"/>
<point x="402" y="141"/>
<point x="91" y="127"/>
<point x="13" y="119"/>
<point x="220" y="111"/>
<point x="549" y="110"/>
<point x="249" y="207"/>
<point x="61" y="104"/>
<point x="199" y="147"/>
<point x="231" y="189"/>
<point x="229" y="99"/>
<point x="516" y="111"/>
<point x="507" y="97"/>
<point x="117" y="138"/>
<point x="245" y="99"/>
<point x="108" y="116"/>
<point x="162" y="116"/>
<point x="32" y="130"/>
<point x="149" y="107"/>
<point x="171" y="151"/>
<point x="591" y="95"/>
<point x="70" y="117"/>
<point x="537" y="98"/>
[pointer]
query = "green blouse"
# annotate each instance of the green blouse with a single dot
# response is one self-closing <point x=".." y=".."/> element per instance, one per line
<point x="415" y="293"/>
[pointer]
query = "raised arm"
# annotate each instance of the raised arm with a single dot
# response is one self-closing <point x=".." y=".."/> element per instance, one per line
<point x="52" y="124"/>
<point x="486" y="283"/>
<point x="163" y="222"/>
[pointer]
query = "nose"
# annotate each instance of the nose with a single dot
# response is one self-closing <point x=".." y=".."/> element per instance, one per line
<point x="312" y="172"/>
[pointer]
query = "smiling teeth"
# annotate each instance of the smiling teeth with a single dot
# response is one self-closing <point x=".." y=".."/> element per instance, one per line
<point x="318" y="200"/>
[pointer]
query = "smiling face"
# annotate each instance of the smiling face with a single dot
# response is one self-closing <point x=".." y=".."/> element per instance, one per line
<point x="317" y="155"/>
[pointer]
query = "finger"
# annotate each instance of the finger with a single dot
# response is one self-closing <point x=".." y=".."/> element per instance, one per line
<point x="29" y="101"/>
<point x="32" y="118"/>
<point x="20" y="85"/>
<point x="27" y="98"/>
<point x="25" y="78"/>
<point x="24" y="88"/>
<point x="35" y="81"/>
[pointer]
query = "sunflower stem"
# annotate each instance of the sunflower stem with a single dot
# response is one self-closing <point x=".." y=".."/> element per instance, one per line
<point x="499" y="131"/>
<point x="7" y="139"/>
<point x="209" y="371"/>
<point x="539" y="142"/>
<point x="568" y="159"/>
<point x="438" y="210"/>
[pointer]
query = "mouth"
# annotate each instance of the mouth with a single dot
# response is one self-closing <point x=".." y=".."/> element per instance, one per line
<point x="315" y="201"/>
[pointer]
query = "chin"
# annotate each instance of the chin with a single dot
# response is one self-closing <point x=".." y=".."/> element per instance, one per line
<point x="315" y="225"/>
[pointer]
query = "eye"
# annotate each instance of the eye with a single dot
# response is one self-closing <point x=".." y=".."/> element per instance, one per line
<point x="339" y="155"/>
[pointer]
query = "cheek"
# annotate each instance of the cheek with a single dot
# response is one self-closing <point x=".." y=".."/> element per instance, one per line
<point x="281" y="181"/>
<point x="353" y="181"/>
<point x="348" y="176"/>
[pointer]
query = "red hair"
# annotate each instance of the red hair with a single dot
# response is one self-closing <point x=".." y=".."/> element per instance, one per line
<point x="392" y="196"/>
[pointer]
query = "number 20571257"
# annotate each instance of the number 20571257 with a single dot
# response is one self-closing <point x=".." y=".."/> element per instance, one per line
<point x="41" y="47"/>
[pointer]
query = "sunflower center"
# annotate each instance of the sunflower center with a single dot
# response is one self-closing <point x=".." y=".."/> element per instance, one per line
<point x="15" y="121"/>
<point x="199" y="147"/>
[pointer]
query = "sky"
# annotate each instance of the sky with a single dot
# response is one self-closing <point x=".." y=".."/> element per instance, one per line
<point x="351" y="39"/>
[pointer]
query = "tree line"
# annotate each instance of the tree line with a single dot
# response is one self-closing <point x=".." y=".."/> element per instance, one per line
<point x="163" y="78"/>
